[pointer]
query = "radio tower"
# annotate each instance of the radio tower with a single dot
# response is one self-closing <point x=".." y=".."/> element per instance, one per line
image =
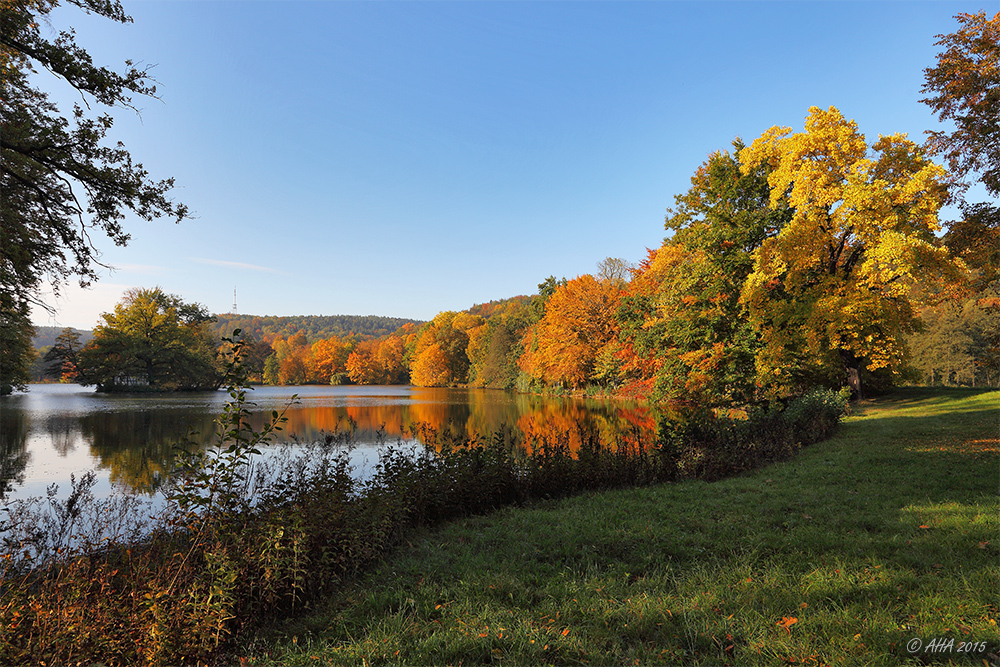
<point x="235" y="312"/>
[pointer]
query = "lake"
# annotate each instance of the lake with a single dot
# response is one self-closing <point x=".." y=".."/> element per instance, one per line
<point x="55" y="430"/>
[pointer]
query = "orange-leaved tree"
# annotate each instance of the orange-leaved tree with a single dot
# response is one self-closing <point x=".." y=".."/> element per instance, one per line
<point x="575" y="334"/>
<point x="330" y="359"/>
<point x="443" y="340"/>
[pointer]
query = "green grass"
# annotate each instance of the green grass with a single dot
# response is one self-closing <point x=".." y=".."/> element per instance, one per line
<point x="885" y="533"/>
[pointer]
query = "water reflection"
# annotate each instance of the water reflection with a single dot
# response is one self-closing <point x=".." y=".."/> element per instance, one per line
<point x="13" y="450"/>
<point x="137" y="448"/>
<point x="133" y="439"/>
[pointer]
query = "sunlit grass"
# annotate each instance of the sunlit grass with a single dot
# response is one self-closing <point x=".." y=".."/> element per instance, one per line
<point x="888" y="532"/>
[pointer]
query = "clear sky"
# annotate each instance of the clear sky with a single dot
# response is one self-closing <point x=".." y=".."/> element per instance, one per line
<point x="405" y="158"/>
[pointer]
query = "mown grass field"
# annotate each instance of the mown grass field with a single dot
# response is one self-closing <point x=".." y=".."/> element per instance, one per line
<point x="886" y="534"/>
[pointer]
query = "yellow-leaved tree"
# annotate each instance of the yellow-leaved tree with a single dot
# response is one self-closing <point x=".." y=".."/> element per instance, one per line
<point x="833" y="294"/>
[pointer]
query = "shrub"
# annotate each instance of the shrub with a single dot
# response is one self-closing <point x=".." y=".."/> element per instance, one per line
<point x="707" y="447"/>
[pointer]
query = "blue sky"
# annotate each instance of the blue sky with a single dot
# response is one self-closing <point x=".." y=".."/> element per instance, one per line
<point x="405" y="158"/>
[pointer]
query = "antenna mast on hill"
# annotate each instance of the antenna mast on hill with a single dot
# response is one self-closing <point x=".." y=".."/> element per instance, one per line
<point x="234" y="302"/>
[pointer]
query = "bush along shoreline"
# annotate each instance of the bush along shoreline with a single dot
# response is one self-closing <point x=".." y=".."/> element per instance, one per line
<point x="244" y="538"/>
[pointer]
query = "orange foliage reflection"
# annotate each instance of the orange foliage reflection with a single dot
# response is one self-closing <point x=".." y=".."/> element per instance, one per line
<point x="430" y="415"/>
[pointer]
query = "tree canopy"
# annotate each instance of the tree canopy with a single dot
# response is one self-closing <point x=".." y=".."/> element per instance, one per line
<point x="964" y="88"/>
<point x="152" y="341"/>
<point x="684" y="330"/>
<point x="565" y="346"/>
<point x="834" y="291"/>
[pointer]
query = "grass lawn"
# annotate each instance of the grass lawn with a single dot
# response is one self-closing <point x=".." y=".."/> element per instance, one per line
<point x="885" y="535"/>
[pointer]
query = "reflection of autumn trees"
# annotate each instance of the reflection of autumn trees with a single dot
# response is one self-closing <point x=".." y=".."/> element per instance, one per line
<point x="431" y="415"/>
<point x="137" y="446"/>
<point x="568" y="424"/>
<point x="64" y="431"/>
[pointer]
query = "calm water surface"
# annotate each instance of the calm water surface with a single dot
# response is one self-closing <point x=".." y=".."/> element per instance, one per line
<point x="55" y="430"/>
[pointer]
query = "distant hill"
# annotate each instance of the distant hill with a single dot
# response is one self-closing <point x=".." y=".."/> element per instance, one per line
<point x="363" y="327"/>
<point x="46" y="336"/>
<point x="315" y="327"/>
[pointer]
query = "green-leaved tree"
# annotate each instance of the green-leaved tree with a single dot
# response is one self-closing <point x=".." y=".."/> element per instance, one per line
<point x="152" y="341"/>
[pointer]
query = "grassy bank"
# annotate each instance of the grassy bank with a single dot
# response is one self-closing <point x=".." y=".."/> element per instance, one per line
<point x="843" y="555"/>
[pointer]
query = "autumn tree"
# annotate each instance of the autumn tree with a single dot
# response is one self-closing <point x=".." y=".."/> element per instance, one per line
<point x="443" y="340"/>
<point x="682" y="324"/>
<point x="964" y="88"/>
<point x="614" y="270"/>
<point x="390" y="357"/>
<point x="576" y="333"/>
<point x="152" y="340"/>
<point x="255" y="354"/>
<point x="63" y="358"/>
<point x="272" y="368"/>
<point x="330" y="360"/>
<point x="545" y="291"/>
<point x="293" y="370"/>
<point x="959" y="342"/>
<point x="61" y="182"/>
<point x="363" y="366"/>
<point x="494" y="347"/>
<point x="295" y="364"/>
<point x="833" y="293"/>
<point x="378" y="362"/>
<point x="291" y="361"/>
<point x="942" y="351"/>
<point x="432" y="368"/>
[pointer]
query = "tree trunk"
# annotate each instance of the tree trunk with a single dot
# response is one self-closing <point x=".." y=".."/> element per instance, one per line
<point x="852" y="372"/>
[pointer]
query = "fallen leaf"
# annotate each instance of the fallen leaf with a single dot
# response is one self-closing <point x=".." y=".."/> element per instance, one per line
<point x="787" y="622"/>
